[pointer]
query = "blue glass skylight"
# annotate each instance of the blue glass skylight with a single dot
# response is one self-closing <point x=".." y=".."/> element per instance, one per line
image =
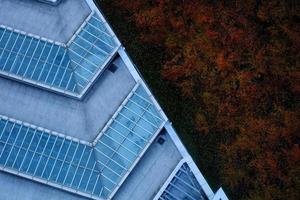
<point x="65" y="68"/>
<point x="95" y="170"/>
<point x="125" y="138"/>
<point x="183" y="186"/>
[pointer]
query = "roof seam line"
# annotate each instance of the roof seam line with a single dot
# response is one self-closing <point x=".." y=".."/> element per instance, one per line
<point x="46" y="130"/>
<point x="32" y="35"/>
<point x="79" y="29"/>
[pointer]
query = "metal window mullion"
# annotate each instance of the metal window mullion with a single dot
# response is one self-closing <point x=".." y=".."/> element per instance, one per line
<point x="105" y="166"/>
<point x="52" y="45"/>
<point x="78" y="165"/>
<point x="97" y="37"/>
<point x="8" y="40"/>
<point x="59" y="65"/>
<point x="87" y="80"/>
<point x="3" y="34"/>
<point x="107" y="178"/>
<point x="114" y="151"/>
<point x="4" y="128"/>
<point x="110" y="169"/>
<point x="21" y="147"/>
<point x="42" y="154"/>
<point x="70" y="78"/>
<point x="64" y="161"/>
<point x="89" y="50"/>
<point x="62" y="144"/>
<point x="21" y="64"/>
<point x="93" y="169"/>
<point x="13" y="145"/>
<point x="121" y="144"/>
<point x="135" y="123"/>
<point x="49" y="157"/>
<point x="143" y="98"/>
<point x="78" y="84"/>
<point x="27" y="150"/>
<point x="172" y="195"/>
<point x="113" y="129"/>
<point x="63" y="74"/>
<point x="101" y="22"/>
<point x="10" y="52"/>
<point x="141" y="116"/>
<point x="59" y="47"/>
<point x="6" y="141"/>
<point x="32" y="58"/>
<point x="184" y="171"/>
<point x="189" y="176"/>
<point x="93" y="44"/>
<point x="187" y="184"/>
<point x="38" y="60"/>
<point x="93" y="191"/>
<point x="148" y="111"/>
<point x="74" y="87"/>
<point x="140" y="106"/>
<point x="18" y="52"/>
<point x="71" y="162"/>
<point x="85" y="167"/>
<point x="106" y="189"/>
<point x="34" y="152"/>
<point x="108" y="158"/>
<point x="84" y="58"/>
<point x="181" y="190"/>
<point x="130" y="129"/>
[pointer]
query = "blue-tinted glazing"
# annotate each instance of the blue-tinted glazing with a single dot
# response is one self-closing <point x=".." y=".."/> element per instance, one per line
<point x="95" y="170"/>
<point x="46" y="156"/>
<point x="68" y="69"/>
<point x="126" y="137"/>
<point x="184" y="186"/>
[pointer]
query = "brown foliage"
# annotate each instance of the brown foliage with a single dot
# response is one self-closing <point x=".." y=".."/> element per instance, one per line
<point x="239" y="62"/>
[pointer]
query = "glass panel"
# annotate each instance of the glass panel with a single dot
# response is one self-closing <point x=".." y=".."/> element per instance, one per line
<point x="41" y="166"/>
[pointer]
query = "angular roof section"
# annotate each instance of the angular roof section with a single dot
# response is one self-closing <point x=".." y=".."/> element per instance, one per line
<point x="64" y="68"/>
<point x="117" y="140"/>
<point x="94" y="170"/>
<point x="182" y="184"/>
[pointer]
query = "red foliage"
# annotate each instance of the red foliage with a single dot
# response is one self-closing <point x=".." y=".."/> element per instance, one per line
<point x="239" y="62"/>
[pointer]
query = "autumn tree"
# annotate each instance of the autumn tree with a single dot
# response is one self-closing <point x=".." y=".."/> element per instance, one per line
<point x="239" y="63"/>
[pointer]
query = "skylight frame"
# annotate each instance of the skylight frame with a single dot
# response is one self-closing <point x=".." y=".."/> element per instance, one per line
<point x="54" y="88"/>
<point x="123" y="176"/>
<point x="182" y="167"/>
<point x="148" y="143"/>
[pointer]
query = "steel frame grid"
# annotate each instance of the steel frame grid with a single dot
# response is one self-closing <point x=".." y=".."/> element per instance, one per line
<point x="63" y="161"/>
<point x="55" y="66"/>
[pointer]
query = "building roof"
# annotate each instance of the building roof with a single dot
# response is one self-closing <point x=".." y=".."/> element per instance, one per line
<point x="77" y="120"/>
<point x="69" y="68"/>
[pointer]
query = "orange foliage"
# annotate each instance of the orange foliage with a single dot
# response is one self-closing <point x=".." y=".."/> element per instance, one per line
<point x="239" y="63"/>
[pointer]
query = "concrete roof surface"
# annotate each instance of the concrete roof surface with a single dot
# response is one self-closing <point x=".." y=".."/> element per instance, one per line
<point x="57" y="23"/>
<point x="80" y="119"/>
